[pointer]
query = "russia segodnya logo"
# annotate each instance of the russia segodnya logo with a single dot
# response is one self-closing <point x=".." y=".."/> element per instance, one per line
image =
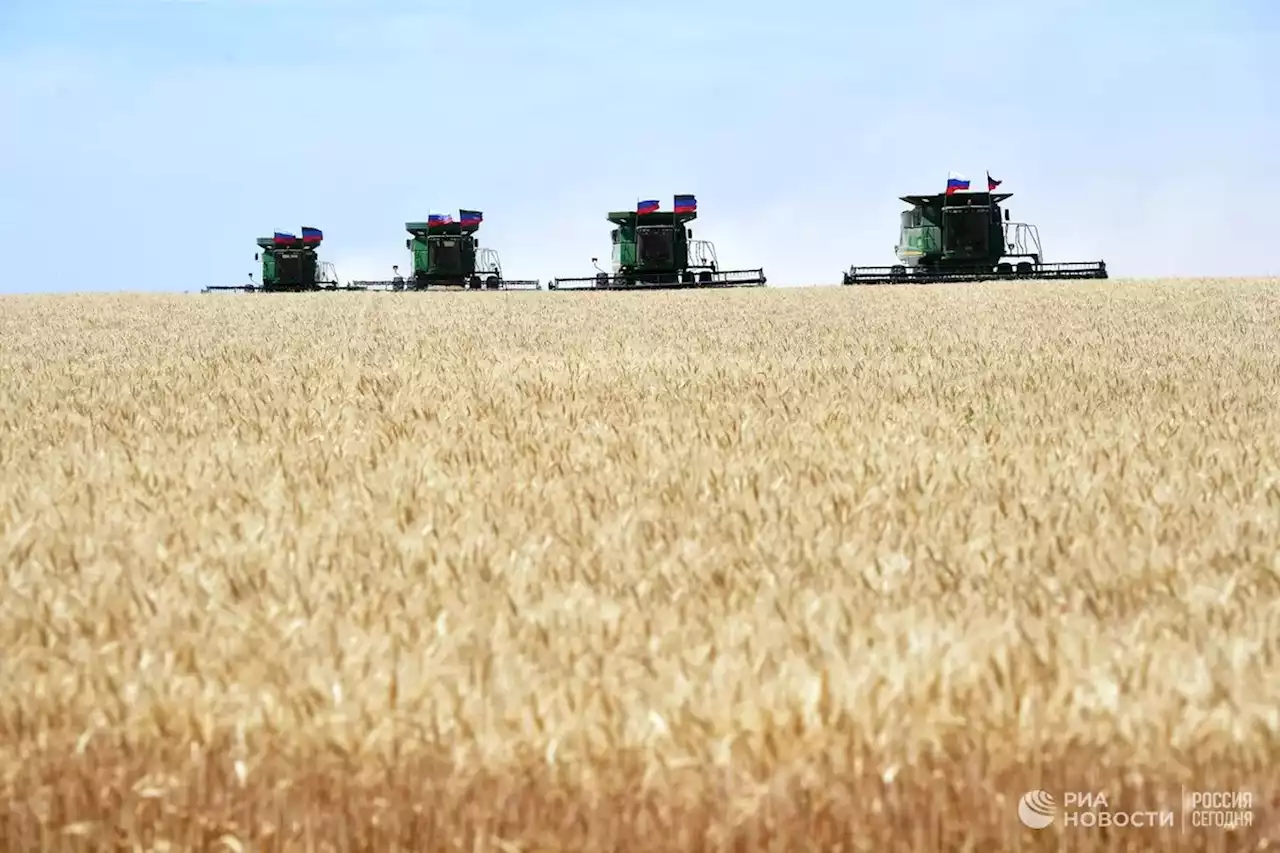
<point x="1037" y="809"/>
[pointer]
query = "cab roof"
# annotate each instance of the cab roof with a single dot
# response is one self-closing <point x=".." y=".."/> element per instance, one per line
<point x="964" y="198"/>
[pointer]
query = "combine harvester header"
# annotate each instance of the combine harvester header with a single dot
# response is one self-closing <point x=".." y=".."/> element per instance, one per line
<point x="290" y="265"/>
<point x="654" y="249"/>
<point x="961" y="235"/>
<point x="447" y="255"/>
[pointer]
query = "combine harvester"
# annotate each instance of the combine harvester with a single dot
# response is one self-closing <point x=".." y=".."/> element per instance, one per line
<point x="654" y="250"/>
<point x="447" y="256"/>
<point x="960" y="235"/>
<point x="290" y="265"/>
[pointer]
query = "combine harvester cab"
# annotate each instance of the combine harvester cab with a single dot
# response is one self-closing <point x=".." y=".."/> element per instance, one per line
<point x="290" y="265"/>
<point x="959" y="235"/>
<point x="447" y="256"/>
<point x="655" y="250"/>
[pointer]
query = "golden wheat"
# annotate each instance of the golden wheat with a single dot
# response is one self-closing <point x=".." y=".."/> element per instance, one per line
<point x="841" y="569"/>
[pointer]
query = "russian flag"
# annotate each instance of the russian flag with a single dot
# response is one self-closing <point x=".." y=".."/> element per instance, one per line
<point x="439" y="219"/>
<point x="956" y="182"/>
<point x="686" y="204"/>
<point x="649" y="206"/>
<point x="992" y="183"/>
<point x="470" y="217"/>
<point x="284" y="239"/>
<point x="311" y="235"/>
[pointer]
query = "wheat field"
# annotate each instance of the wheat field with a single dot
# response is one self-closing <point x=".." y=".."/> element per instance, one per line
<point x="832" y="569"/>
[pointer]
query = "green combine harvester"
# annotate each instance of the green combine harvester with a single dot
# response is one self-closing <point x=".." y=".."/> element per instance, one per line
<point x="959" y="235"/>
<point x="448" y="256"/>
<point x="653" y="250"/>
<point x="290" y="265"/>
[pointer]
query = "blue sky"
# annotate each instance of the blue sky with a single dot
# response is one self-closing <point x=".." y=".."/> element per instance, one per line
<point x="145" y="144"/>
